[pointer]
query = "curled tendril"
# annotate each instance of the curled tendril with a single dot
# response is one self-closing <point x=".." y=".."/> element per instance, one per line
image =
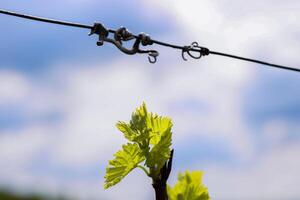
<point x="197" y="50"/>
<point x="193" y="47"/>
<point x="152" y="56"/>
<point x="185" y="49"/>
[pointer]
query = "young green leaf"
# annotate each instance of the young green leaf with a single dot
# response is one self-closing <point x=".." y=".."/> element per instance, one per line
<point x="160" y="152"/>
<point x="152" y="133"/>
<point x="136" y="130"/>
<point x="150" y="136"/>
<point x="129" y="134"/>
<point x="189" y="187"/>
<point x="125" y="161"/>
<point x="158" y="125"/>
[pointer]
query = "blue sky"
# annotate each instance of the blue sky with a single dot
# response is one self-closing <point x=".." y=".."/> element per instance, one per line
<point x="60" y="96"/>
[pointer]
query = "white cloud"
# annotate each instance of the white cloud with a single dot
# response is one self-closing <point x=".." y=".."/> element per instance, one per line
<point x="272" y="176"/>
<point x="20" y="147"/>
<point x="14" y="87"/>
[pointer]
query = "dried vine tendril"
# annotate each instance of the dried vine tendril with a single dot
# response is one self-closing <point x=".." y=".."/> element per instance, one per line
<point x="123" y="35"/>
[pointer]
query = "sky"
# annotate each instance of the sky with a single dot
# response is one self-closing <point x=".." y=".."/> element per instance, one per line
<point x="61" y="95"/>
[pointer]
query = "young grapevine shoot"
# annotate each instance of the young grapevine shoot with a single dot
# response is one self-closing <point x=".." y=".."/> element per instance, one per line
<point x="149" y="148"/>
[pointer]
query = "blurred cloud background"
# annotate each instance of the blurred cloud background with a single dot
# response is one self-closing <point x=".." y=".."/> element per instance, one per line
<point x="61" y="95"/>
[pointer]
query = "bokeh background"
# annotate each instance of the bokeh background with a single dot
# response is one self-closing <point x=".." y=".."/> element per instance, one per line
<point x="61" y="95"/>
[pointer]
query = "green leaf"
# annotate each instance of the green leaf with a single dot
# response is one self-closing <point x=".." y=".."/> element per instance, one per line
<point x="152" y="135"/>
<point x="128" y="132"/>
<point x="189" y="187"/>
<point x="146" y="128"/>
<point x="160" y="152"/>
<point x="157" y="126"/>
<point x="125" y="161"/>
<point x="136" y="130"/>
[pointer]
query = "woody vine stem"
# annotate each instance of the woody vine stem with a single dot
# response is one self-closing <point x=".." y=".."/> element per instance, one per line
<point x="160" y="184"/>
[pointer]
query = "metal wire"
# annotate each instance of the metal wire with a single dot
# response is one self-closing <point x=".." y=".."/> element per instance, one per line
<point x="255" y="61"/>
<point x="45" y="20"/>
<point x="185" y="49"/>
